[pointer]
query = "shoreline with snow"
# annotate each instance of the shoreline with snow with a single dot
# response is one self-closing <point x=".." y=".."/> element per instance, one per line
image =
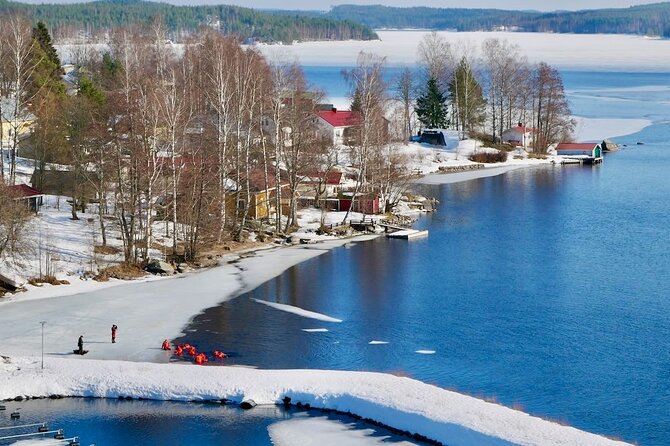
<point x="403" y="403"/>
<point x="156" y="309"/>
<point x="146" y="312"/>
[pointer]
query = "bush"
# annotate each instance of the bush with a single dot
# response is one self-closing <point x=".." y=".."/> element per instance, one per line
<point x="38" y="281"/>
<point x="489" y="157"/>
<point x="124" y="271"/>
<point x="106" y="250"/>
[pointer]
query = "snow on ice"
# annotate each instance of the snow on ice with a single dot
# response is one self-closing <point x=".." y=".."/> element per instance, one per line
<point x="404" y="403"/>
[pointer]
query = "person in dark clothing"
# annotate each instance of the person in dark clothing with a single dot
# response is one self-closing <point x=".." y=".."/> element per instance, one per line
<point x="114" y="328"/>
<point x="80" y="344"/>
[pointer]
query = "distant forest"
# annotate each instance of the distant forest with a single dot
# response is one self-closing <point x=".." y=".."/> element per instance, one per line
<point x="649" y="20"/>
<point x="66" y="20"/>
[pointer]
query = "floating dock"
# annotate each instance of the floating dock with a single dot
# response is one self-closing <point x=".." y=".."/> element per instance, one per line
<point x="408" y="234"/>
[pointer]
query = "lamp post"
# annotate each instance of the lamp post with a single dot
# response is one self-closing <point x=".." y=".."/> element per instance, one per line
<point x="42" y="323"/>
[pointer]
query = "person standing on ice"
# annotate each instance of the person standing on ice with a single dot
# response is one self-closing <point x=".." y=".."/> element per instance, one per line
<point x="114" y="328"/>
<point x="80" y="344"/>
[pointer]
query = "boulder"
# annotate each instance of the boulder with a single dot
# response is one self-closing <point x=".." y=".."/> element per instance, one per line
<point x="159" y="267"/>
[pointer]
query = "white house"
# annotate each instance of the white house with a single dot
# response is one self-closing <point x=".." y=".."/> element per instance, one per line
<point x="335" y="122"/>
<point x="518" y="136"/>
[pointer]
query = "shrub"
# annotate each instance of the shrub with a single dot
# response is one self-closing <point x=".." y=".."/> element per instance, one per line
<point x="489" y="157"/>
<point x="38" y="281"/>
<point x="124" y="271"/>
<point x="106" y="250"/>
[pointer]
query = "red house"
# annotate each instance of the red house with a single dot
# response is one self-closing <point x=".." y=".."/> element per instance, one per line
<point x="365" y="203"/>
<point x="31" y="196"/>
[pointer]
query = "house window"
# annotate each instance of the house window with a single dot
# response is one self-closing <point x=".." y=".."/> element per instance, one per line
<point x="241" y="204"/>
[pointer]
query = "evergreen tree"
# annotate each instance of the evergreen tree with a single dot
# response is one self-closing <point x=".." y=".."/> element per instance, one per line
<point x="45" y="78"/>
<point x="467" y="98"/>
<point x="43" y="38"/>
<point x="356" y="102"/>
<point x="431" y="107"/>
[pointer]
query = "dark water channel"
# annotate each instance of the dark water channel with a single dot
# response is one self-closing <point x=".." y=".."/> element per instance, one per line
<point x="112" y="422"/>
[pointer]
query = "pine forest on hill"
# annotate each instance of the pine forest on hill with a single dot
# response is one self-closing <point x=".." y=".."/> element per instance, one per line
<point x="66" y="19"/>
<point x="649" y="20"/>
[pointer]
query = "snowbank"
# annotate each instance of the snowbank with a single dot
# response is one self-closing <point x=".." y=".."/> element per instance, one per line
<point x="403" y="403"/>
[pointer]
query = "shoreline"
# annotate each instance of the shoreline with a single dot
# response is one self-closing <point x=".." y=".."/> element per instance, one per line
<point x="89" y="308"/>
<point x="146" y="311"/>
<point x="157" y="307"/>
<point x="401" y="403"/>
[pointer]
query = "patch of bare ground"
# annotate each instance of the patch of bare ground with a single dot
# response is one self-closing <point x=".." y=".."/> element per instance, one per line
<point x="123" y="271"/>
<point x="106" y="250"/>
<point x="210" y="257"/>
<point x="52" y="280"/>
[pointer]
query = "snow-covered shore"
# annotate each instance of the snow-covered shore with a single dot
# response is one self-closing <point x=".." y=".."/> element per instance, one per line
<point x="146" y="312"/>
<point x="403" y="403"/>
<point x="150" y="311"/>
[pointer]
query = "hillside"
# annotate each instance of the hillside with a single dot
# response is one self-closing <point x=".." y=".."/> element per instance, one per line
<point x="651" y="20"/>
<point x="64" y="19"/>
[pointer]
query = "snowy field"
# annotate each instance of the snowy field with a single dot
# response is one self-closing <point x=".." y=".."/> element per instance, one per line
<point x="404" y="403"/>
<point x="600" y="52"/>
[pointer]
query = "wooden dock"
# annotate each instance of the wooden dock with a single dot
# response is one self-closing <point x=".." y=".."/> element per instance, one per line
<point x="407" y="234"/>
<point x="392" y="230"/>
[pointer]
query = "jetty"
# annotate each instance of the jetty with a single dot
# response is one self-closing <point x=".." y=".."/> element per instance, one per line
<point x="392" y="230"/>
<point x="407" y="234"/>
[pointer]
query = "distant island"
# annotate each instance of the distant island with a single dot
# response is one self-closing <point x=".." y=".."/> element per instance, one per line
<point x="648" y="20"/>
<point x="98" y="17"/>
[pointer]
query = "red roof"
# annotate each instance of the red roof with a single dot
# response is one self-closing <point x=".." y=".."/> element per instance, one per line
<point x="576" y="146"/>
<point x="520" y="128"/>
<point x="338" y="118"/>
<point x="24" y="191"/>
<point x="333" y="177"/>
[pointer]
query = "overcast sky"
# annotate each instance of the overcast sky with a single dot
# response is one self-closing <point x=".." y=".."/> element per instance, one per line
<point x="499" y="4"/>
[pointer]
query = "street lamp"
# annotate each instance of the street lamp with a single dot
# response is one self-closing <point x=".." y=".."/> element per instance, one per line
<point x="42" y="323"/>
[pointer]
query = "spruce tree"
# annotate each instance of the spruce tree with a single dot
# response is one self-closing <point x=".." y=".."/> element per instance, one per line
<point x="43" y="38"/>
<point x="431" y="107"/>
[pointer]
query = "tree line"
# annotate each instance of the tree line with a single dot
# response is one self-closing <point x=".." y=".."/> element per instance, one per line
<point x="196" y="138"/>
<point x="649" y="20"/>
<point x="99" y="17"/>
<point x="490" y="89"/>
<point x="193" y="138"/>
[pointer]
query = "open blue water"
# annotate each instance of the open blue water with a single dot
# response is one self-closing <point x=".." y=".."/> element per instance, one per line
<point x="545" y="287"/>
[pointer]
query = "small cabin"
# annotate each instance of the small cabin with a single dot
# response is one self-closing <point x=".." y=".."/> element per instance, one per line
<point x="519" y="135"/>
<point x="589" y="152"/>
<point x="28" y="195"/>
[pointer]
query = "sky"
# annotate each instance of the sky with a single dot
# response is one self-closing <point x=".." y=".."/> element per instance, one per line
<point x="509" y="4"/>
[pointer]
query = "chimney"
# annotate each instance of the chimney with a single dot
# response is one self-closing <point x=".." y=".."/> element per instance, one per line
<point x="521" y="124"/>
